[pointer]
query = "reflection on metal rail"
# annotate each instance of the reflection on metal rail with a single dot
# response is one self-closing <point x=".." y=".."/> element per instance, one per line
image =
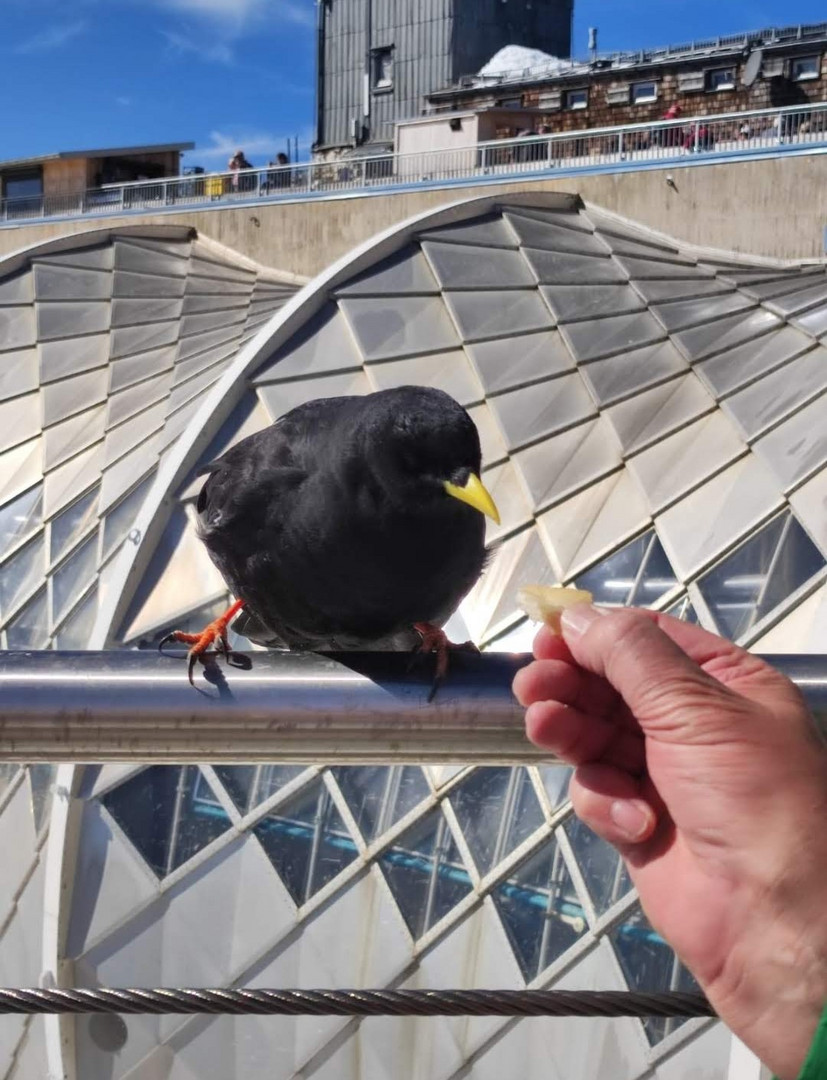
<point x="308" y="708"/>
<point x="358" y="1002"/>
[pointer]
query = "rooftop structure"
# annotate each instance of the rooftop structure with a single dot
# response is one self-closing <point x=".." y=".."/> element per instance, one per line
<point x="652" y="420"/>
<point x="378" y="60"/>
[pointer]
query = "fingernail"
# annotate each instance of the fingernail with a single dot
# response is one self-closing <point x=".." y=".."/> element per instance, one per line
<point x="631" y="816"/>
<point x="577" y="620"/>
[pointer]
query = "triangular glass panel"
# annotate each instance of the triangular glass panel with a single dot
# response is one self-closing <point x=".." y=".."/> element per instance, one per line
<point x="249" y="785"/>
<point x="21" y="574"/>
<point x="72" y="523"/>
<point x="323" y="344"/>
<point x="405" y="272"/>
<point x="532" y="566"/>
<point x="549" y="236"/>
<point x="741" y="365"/>
<point x="573" y="302"/>
<point x="508" y="362"/>
<point x="402" y="327"/>
<point x="489" y="231"/>
<point x="813" y="322"/>
<point x="18" y="373"/>
<point x="801" y="300"/>
<point x="798" y="446"/>
<point x="615" y="334"/>
<point x="565" y="463"/>
<point x="651" y="967"/>
<point x="379" y="795"/>
<point x="77" y="630"/>
<point x="566" y="219"/>
<point x="119" y="519"/>
<point x="636" y="575"/>
<point x="537" y="411"/>
<point x="555" y="780"/>
<point x="621" y="376"/>
<point x="169" y="812"/>
<point x="784" y="390"/>
<point x="20" y="518"/>
<point x="74" y="577"/>
<point x="425" y="873"/>
<point x="458" y="266"/>
<point x="685" y="313"/>
<point x="7" y="774"/>
<point x="41" y="784"/>
<point x="603" y="870"/>
<point x="780" y="285"/>
<point x="620" y="228"/>
<point x="714" y="337"/>
<point x="497" y="809"/>
<point x="540" y="909"/>
<point x="654" y="413"/>
<point x="642" y="268"/>
<point x="767" y="568"/>
<point x="306" y="841"/>
<point x="684" y="611"/>
<point x="450" y="372"/>
<point x="659" y="292"/>
<point x="483" y="314"/>
<point x="30" y="628"/>
<point x="562" y="268"/>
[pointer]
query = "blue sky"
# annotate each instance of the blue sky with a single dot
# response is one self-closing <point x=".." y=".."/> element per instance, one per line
<point x="226" y="73"/>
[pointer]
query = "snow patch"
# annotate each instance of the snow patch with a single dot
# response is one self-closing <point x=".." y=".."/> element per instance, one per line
<point x="520" y="60"/>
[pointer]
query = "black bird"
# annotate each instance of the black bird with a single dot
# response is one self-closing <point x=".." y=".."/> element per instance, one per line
<point x="349" y="523"/>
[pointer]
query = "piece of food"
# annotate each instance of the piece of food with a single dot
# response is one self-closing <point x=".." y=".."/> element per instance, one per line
<point x="546" y="603"/>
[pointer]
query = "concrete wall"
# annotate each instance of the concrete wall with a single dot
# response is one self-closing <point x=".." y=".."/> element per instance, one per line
<point x="775" y="207"/>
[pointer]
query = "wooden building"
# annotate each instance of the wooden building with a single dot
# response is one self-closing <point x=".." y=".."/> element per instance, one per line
<point x="72" y="171"/>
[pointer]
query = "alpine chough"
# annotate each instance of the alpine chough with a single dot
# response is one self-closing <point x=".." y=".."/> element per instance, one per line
<point x="349" y="523"/>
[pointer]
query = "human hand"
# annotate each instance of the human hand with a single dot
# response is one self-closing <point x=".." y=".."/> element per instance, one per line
<point x="702" y="765"/>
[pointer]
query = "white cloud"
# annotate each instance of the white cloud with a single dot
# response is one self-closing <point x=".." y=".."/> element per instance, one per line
<point x="218" y="52"/>
<point x="54" y="37"/>
<point x="125" y="101"/>
<point x="238" y="14"/>
<point x="259" y="146"/>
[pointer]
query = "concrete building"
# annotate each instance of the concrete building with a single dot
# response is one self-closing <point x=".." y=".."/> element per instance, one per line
<point x="378" y="60"/>
<point x="756" y="70"/>
<point x="653" y="427"/>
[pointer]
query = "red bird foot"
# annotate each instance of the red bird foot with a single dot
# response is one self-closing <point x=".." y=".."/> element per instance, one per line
<point x="214" y="635"/>
<point x="435" y="640"/>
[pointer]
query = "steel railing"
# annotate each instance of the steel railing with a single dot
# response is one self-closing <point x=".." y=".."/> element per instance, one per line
<point x="309" y="708"/>
<point x="630" y="146"/>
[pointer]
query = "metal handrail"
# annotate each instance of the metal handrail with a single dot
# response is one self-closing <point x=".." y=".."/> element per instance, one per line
<point x="312" y="708"/>
<point x="657" y="142"/>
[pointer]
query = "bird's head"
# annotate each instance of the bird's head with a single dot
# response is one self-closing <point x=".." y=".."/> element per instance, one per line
<point x="428" y="449"/>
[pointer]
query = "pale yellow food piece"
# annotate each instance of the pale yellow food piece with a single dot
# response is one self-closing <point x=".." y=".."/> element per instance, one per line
<point x="546" y="603"/>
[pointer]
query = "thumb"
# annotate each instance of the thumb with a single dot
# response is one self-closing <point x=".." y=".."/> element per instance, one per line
<point x="662" y="682"/>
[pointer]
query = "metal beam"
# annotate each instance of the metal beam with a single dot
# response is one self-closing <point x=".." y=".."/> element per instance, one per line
<point x="309" y="708"/>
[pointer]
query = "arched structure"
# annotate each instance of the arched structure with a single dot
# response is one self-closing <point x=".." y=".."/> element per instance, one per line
<point x="654" y="425"/>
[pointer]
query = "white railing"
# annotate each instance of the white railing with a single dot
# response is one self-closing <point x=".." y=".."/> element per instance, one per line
<point x="635" y="145"/>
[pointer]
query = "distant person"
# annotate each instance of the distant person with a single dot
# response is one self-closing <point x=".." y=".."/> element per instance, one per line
<point x="281" y="178"/>
<point x="670" y="136"/>
<point x="236" y="163"/>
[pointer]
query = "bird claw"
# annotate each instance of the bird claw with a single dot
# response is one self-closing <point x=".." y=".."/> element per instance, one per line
<point x="212" y="636"/>
<point x="435" y="640"/>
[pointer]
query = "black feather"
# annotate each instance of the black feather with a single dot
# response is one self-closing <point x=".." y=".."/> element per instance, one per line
<point x="334" y="527"/>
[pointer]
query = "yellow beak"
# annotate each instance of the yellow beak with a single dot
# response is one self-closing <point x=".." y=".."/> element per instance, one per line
<point x="475" y="494"/>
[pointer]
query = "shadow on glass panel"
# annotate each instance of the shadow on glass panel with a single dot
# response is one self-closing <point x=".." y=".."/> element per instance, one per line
<point x="41" y="783"/>
<point x="249" y="785"/>
<point x="379" y="795"/>
<point x="602" y="868"/>
<point x="540" y="909"/>
<point x="119" y="519"/>
<point x="497" y="809"/>
<point x="169" y="812"/>
<point x="306" y="841"/>
<point x="72" y="523"/>
<point x="637" y="575"/>
<point x="29" y="629"/>
<point x="650" y="966"/>
<point x="425" y="873"/>
<point x="21" y="573"/>
<point x="7" y="774"/>
<point x="760" y="575"/>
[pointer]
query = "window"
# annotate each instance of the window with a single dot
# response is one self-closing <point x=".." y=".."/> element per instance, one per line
<point x="720" y="79"/>
<point x="577" y="99"/>
<point x="805" y="67"/>
<point x="23" y="183"/>
<point x="690" y="82"/>
<point x="644" y="92"/>
<point x="618" y="95"/>
<point x="382" y="68"/>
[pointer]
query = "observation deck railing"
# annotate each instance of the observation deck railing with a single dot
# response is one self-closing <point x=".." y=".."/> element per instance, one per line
<point x="635" y="146"/>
